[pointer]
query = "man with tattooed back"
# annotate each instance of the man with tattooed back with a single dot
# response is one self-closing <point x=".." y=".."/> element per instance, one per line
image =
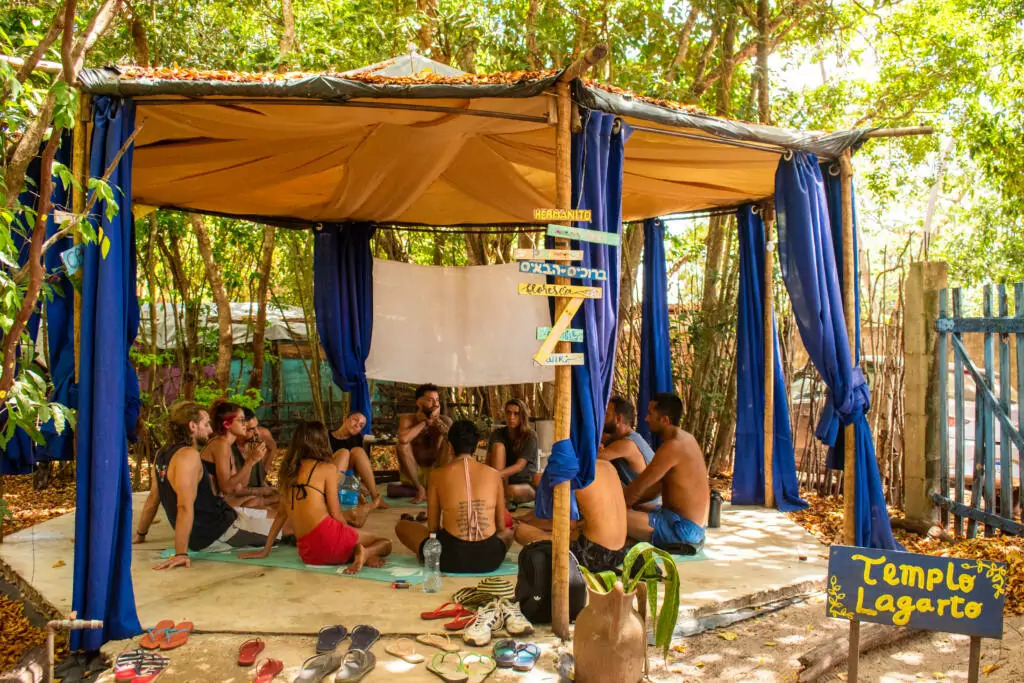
<point x="465" y="508"/>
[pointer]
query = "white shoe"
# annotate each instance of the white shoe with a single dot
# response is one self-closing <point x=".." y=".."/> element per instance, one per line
<point x="515" y="623"/>
<point x="488" y="618"/>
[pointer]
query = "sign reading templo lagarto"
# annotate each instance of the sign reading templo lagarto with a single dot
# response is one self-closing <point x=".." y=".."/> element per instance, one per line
<point x="921" y="591"/>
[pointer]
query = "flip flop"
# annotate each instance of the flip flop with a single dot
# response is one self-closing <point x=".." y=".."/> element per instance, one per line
<point x="329" y="637"/>
<point x="363" y="637"/>
<point x="460" y="623"/>
<point x="526" y="656"/>
<point x="177" y="636"/>
<point x="151" y="667"/>
<point x="477" y="667"/>
<point x="404" y="649"/>
<point x="505" y="652"/>
<point x="406" y="517"/>
<point x="317" y="667"/>
<point x="249" y="650"/>
<point x="152" y="638"/>
<point x="455" y="610"/>
<point x="421" y="516"/>
<point x="447" y="673"/>
<point x="127" y="663"/>
<point x="441" y="642"/>
<point x="355" y="665"/>
<point x="267" y="670"/>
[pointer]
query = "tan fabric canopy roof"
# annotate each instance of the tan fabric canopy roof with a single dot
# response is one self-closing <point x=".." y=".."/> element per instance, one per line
<point x="485" y="157"/>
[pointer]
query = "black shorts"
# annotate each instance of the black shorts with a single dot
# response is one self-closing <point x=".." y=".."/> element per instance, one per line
<point x="468" y="557"/>
<point x="594" y="557"/>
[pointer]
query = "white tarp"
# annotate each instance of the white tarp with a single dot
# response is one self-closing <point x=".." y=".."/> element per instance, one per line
<point x="460" y="327"/>
<point x="283" y="323"/>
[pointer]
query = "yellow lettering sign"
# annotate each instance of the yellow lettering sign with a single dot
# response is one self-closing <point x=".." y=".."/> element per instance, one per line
<point x="861" y="609"/>
<point x="541" y="289"/>
<point x="579" y="215"/>
<point x="868" y="564"/>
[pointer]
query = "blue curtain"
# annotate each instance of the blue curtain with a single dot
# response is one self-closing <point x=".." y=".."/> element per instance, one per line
<point x="109" y="391"/>
<point x="21" y="453"/>
<point x="748" y="470"/>
<point x="807" y="258"/>
<point x="655" y="348"/>
<point x="343" y="300"/>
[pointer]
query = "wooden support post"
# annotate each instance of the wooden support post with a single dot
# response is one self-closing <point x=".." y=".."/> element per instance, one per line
<point x="849" y="303"/>
<point x="768" y="217"/>
<point x="80" y="169"/>
<point x="974" y="660"/>
<point x="853" y="658"/>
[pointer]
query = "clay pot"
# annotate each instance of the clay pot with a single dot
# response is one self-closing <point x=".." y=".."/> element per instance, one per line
<point x="610" y="643"/>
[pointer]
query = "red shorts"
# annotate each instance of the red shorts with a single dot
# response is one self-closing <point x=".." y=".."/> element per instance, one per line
<point x="331" y="542"/>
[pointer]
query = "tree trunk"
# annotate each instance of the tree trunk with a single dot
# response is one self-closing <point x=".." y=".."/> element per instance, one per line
<point x="764" y="114"/>
<point x="139" y="40"/>
<point x="727" y="66"/>
<point x="532" y="57"/>
<point x="429" y="26"/>
<point x="225" y="340"/>
<point x="683" y="45"/>
<point x="287" y="44"/>
<point x="188" y="344"/>
<point x="259" y="331"/>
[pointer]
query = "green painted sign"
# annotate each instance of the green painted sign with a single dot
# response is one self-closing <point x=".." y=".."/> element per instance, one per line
<point x="582" y="234"/>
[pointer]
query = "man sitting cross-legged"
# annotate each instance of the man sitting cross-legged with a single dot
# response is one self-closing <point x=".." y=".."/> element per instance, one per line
<point x="421" y="444"/>
<point x="678" y="473"/>
<point x="623" y="447"/>
<point x="202" y="520"/>
<point x="465" y="508"/>
<point x="601" y="543"/>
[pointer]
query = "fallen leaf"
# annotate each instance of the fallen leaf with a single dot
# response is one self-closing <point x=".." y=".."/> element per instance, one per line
<point x="938" y="675"/>
<point x="699" y="665"/>
<point x="727" y="635"/>
<point x="58" y="563"/>
<point x="989" y="668"/>
<point x="770" y="644"/>
<point x="679" y="648"/>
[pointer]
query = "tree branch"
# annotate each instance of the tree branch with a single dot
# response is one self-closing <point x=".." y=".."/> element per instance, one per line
<point x="56" y="26"/>
<point x="683" y="44"/>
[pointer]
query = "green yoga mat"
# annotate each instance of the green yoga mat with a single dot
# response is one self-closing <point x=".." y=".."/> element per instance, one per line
<point x="397" y="566"/>
<point x="691" y="558"/>
<point x="403" y="502"/>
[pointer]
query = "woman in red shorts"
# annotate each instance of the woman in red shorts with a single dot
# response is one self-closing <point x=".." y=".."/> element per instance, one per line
<point x="308" y="484"/>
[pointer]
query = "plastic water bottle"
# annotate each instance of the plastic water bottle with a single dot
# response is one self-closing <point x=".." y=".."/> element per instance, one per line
<point x="432" y="565"/>
<point x="348" y="493"/>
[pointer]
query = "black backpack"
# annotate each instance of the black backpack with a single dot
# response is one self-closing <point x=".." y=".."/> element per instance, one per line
<point x="533" y="585"/>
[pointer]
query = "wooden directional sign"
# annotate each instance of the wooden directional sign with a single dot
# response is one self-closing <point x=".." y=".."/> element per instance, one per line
<point x="596" y="236"/>
<point x="562" y="324"/>
<point x="921" y="591"/>
<point x="578" y="215"/>
<point x="541" y="289"/>
<point x="549" y="254"/>
<point x="573" y="334"/>
<point x="542" y="268"/>
<point x="563" y="359"/>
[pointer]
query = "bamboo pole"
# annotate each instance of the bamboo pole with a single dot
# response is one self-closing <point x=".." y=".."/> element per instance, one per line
<point x="768" y="308"/>
<point x="80" y="169"/>
<point x="849" y="299"/>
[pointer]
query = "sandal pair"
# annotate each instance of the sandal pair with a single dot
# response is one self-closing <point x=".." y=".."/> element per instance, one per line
<point x="166" y="635"/>
<point x="519" y="656"/>
<point x="139" y="666"/>
<point x="454" y="668"/>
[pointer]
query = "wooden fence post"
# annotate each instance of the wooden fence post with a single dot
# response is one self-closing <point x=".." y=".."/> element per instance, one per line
<point x="924" y="427"/>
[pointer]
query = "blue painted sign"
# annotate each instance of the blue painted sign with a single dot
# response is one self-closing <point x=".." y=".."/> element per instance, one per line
<point x="73" y="258"/>
<point x="946" y="594"/>
<point x="558" y="270"/>
<point x="573" y="334"/>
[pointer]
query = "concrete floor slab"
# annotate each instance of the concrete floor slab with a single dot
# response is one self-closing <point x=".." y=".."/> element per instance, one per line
<point x="753" y="559"/>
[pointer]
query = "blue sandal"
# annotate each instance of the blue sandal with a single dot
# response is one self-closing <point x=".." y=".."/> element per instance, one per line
<point x="505" y="653"/>
<point x="526" y="656"/>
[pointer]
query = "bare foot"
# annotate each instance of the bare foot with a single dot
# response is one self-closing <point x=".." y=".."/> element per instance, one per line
<point x="421" y="495"/>
<point x="358" y="558"/>
<point x="375" y="561"/>
<point x="379" y="503"/>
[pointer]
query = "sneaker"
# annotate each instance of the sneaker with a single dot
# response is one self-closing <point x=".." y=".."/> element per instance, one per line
<point x="515" y="623"/>
<point x="488" y="618"/>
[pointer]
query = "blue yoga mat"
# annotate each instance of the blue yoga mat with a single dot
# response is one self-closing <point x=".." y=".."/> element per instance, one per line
<point x="397" y="566"/>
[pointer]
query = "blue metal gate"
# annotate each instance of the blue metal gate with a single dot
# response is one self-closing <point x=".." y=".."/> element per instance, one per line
<point x="994" y="459"/>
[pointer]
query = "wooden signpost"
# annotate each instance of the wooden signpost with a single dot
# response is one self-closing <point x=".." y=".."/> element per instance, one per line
<point x="584" y="235"/>
<point x="558" y="270"/>
<point x="561" y="324"/>
<point x="548" y="254"/>
<point x="573" y="334"/>
<point x="946" y="594"/>
<point x="541" y="289"/>
<point x="578" y="215"/>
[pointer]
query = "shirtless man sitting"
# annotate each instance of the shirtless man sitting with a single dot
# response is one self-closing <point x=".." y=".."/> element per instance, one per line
<point x="421" y="442"/>
<point x="601" y="543"/>
<point x="678" y="473"/>
<point x="623" y="447"/>
<point x="465" y="508"/>
<point x="201" y="519"/>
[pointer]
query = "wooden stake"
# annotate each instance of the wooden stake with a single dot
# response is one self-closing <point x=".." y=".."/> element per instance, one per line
<point x="854" y="655"/>
<point x="563" y="381"/>
<point x="974" y="660"/>
<point x="80" y="168"/>
<point x="769" y="358"/>
<point x="849" y="299"/>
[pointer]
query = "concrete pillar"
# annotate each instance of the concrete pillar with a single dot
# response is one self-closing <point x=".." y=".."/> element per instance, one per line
<point x="923" y="430"/>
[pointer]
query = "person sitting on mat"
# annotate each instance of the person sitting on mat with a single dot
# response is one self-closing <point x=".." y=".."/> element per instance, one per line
<point x="202" y="520"/>
<point x="678" y="473"/>
<point x="601" y="542"/>
<point x="465" y="508"/>
<point x="348" y="443"/>
<point x="515" y="443"/>
<point x="308" y="485"/>
<point x="421" y="444"/>
<point x="627" y="451"/>
<point x="229" y="426"/>
<point x="263" y="495"/>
